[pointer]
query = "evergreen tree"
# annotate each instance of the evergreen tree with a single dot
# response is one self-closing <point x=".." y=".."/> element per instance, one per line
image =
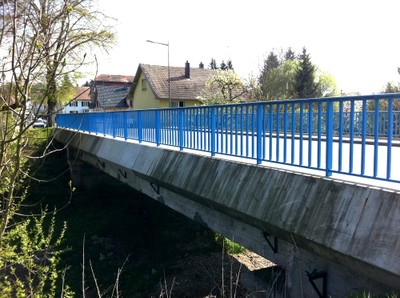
<point x="305" y="85"/>
<point x="271" y="62"/>
<point x="290" y="55"/>
<point x="266" y="79"/>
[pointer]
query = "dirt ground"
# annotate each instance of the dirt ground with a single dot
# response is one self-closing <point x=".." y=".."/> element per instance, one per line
<point x="201" y="276"/>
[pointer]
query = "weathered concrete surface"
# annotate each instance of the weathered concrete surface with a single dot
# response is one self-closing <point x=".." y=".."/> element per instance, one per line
<point x="352" y="232"/>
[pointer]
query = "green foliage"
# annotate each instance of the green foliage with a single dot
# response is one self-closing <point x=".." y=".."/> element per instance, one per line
<point x="230" y="246"/>
<point x="285" y="76"/>
<point x="326" y="85"/>
<point x="29" y="258"/>
<point x="29" y="247"/>
<point x="65" y="91"/>
<point x="277" y="82"/>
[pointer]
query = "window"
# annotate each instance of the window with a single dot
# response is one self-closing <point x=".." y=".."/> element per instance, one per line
<point x="144" y="85"/>
<point x="85" y="103"/>
<point x="73" y="104"/>
<point x="176" y="104"/>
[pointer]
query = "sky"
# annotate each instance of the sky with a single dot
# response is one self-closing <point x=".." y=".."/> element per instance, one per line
<point x="356" y="41"/>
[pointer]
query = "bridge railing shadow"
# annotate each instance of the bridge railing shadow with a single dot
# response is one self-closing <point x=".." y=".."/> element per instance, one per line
<point x="357" y="135"/>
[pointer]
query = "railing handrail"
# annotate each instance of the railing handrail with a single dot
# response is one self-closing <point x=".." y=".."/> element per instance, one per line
<point x="327" y="130"/>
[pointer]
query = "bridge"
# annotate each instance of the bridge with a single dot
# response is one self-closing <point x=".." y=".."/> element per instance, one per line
<point x="312" y="185"/>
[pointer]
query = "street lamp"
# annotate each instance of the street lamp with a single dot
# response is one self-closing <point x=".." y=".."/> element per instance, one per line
<point x="169" y="69"/>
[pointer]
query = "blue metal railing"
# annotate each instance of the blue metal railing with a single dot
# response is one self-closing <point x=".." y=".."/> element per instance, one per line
<point x="347" y="135"/>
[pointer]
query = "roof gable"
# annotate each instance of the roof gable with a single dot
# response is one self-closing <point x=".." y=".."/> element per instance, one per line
<point x="181" y="87"/>
<point x="112" y="96"/>
<point x="82" y="94"/>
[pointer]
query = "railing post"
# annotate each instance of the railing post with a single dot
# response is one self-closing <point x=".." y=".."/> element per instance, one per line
<point x="104" y="123"/>
<point x="125" y="119"/>
<point x="389" y="139"/>
<point x="259" y="133"/>
<point x="180" y="128"/>
<point x="113" y="123"/>
<point x="88" y="120"/>
<point x="158" y="128"/>
<point x="329" y="137"/>
<point x="140" y="126"/>
<point x="213" y="136"/>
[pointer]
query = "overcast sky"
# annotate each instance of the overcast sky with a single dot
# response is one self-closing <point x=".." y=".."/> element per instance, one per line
<point x="358" y="42"/>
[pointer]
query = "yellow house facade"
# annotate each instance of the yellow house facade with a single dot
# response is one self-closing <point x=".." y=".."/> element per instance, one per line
<point x="152" y="83"/>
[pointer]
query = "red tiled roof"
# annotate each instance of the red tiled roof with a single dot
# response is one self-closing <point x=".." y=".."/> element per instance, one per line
<point x="114" y="78"/>
<point x="82" y="93"/>
<point x="181" y="87"/>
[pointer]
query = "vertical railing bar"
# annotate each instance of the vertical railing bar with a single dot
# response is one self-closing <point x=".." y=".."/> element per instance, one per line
<point x="319" y="134"/>
<point x="351" y="151"/>
<point x="364" y="135"/>
<point x="310" y="133"/>
<point x="376" y="136"/>
<point x="125" y="125"/>
<point x="140" y="126"/>
<point x="226" y="130"/>
<point x="278" y="128"/>
<point x="264" y="130"/>
<point x="252" y="132"/>
<point x="285" y="127"/>
<point x="196" y="126"/>
<point x="340" y="145"/>
<point x="221" y="130"/>
<point x="157" y="127"/>
<point x="241" y="131"/>
<point x="180" y="128"/>
<point x="213" y="136"/>
<point x="301" y="133"/>
<point x="247" y="132"/>
<point x="329" y="138"/>
<point x="236" y="131"/>
<point x="389" y="139"/>
<point x="104" y="123"/>
<point x="293" y="134"/>
<point x="113" y="123"/>
<point x="259" y="133"/>
<point x="204" y="136"/>
<point x="270" y="128"/>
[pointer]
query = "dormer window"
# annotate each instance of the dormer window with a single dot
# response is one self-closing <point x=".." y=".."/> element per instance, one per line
<point x="144" y="85"/>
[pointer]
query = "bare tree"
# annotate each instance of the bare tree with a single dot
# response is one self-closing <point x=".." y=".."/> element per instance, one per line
<point x="40" y="42"/>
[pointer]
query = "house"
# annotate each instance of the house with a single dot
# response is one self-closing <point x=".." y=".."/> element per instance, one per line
<point x="111" y="92"/>
<point x="80" y="102"/>
<point x="151" y="85"/>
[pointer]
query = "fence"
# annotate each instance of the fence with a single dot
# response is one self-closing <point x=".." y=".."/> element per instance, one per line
<point x="348" y="135"/>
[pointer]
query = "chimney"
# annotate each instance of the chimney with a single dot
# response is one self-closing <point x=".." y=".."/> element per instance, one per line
<point x="201" y="65"/>
<point x="187" y="70"/>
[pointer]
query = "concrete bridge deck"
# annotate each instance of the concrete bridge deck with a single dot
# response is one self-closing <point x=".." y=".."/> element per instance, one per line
<point x="320" y="230"/>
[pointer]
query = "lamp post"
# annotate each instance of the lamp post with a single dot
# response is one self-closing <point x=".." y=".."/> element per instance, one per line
<point x="169" y="69"/>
